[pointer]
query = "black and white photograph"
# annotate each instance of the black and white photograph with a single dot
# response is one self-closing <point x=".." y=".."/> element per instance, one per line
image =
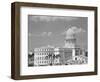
<point x="53" y="40"/>
<point x="57" y="40"/>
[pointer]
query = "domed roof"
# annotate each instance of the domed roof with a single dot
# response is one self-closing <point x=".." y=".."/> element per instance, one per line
<point x="71" y="31"/>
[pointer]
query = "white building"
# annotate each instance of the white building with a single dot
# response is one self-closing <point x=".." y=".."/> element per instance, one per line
<point x="70" y="41"/>
<point x="43" y="56"/>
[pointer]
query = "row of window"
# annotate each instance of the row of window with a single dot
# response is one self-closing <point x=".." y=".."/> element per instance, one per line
<point x="42" y="62"/>
<point x="46" y="62"/>
<point x="42" y="53"/>
<point x="52" y="53"/>
<point x="43" y="49"/>
<point x="40" y="58"/>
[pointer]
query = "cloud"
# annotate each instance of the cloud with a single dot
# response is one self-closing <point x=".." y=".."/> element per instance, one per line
<point x="33" y="35"/>
<point x="49" y="33"/>
<point x="51" y="18"/>
<point x="75" y="29"/>
<point x="46" y="34"/>
<point x="43" y="34"/>
<point x="80" y="30"/>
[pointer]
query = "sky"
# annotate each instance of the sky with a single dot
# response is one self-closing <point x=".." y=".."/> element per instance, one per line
<point x="46" y="30"/>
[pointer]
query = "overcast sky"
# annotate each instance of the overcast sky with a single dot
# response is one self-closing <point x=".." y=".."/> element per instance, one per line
<point x="48" y="30"/>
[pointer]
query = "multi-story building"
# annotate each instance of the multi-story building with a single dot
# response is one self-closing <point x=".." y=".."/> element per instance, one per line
<point x="65" y="54"/>
<point x="43" y="56"/>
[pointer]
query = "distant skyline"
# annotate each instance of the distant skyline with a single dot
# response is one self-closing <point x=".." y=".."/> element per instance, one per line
<point x="48" y="30"/>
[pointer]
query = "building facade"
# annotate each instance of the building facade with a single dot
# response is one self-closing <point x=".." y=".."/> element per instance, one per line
<point x="43" y="56"/>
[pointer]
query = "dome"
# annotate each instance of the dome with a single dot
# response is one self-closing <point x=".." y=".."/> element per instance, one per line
<point x="71" y="31"/>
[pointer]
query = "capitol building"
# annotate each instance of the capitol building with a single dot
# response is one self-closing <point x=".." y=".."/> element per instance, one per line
<point x="69" y="54"/>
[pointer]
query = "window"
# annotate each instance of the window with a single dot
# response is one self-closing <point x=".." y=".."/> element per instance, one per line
<point x="77" y="52"/>
<point x="75" y="58"/>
